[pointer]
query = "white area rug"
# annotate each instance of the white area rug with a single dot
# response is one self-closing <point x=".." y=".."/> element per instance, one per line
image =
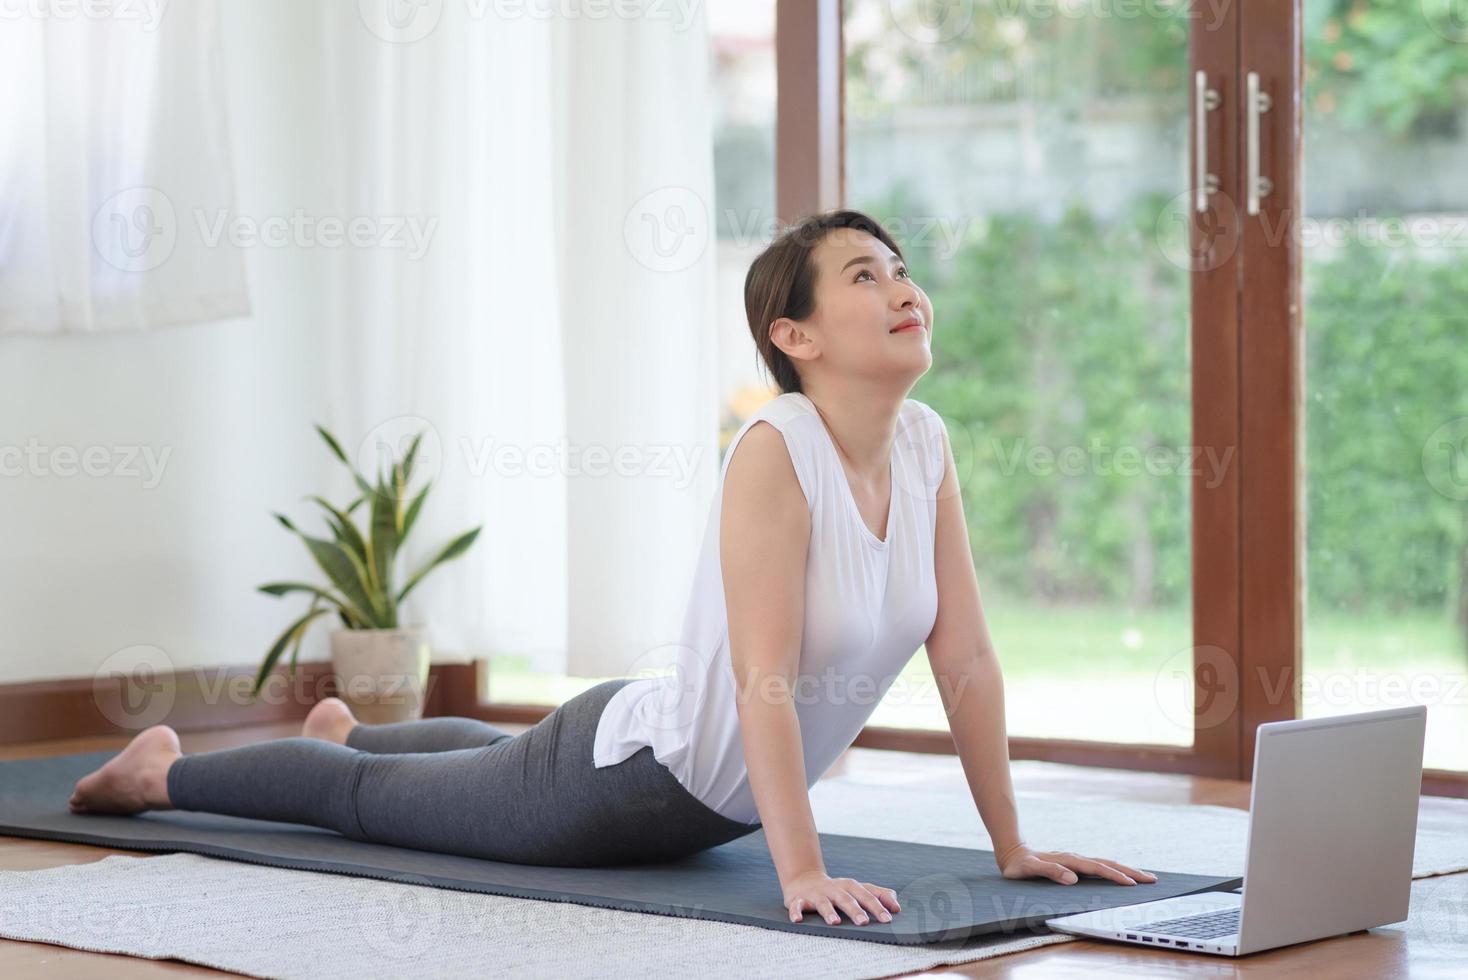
<point x="272" y="922"/>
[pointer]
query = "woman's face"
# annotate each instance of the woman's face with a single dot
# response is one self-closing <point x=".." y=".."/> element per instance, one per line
<point x="863" y="293"/>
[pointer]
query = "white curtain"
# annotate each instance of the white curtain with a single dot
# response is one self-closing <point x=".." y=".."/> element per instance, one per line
<point x="114" y="169"/>
<point x="545" y="313"/>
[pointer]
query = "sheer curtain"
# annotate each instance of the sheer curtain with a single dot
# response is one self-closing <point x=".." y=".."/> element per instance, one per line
<point x="544" y="314"/>
<point x="114" y="168"/>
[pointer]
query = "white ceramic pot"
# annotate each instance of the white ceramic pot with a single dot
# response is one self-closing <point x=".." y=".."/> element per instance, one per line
<point x="382" y="675"/>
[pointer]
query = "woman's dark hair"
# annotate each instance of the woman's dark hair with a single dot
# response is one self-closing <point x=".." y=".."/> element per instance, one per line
<point x="781" y="282"/>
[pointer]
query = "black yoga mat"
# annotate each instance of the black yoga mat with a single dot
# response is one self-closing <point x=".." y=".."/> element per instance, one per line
<point x="946" y="892"/>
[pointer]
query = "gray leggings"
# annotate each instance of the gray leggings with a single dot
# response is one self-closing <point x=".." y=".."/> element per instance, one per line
<point x="460" y="786"/>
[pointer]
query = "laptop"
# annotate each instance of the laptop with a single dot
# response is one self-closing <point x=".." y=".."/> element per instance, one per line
<point x="1332" y="827"/>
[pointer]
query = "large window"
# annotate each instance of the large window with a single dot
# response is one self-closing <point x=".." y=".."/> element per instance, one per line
<point x="1208" y="411"/>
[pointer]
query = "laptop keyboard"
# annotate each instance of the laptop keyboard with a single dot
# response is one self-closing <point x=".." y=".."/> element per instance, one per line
<point x="1209" y="925"/>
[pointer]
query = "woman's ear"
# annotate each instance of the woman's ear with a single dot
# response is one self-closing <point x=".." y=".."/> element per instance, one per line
<point x="793" y="339"/>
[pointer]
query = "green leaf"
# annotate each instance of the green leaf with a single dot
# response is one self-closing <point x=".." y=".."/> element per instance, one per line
<point x="346" y="532"/>
<point x="412" y="513"/>
<point x="291" y="631"/>
<point x="357" y="478"/>
<point x="408" y="458"/>
<point x="399" y="489"/>
<point x="347" y="535"/>
<point x="350" y="576"/>
<point x="346" y="571"/>
<point x="336" y="447"/>
<point x="362" y="485"/>
<point x="285" y="588"/>
<point x="385" y="547"/>
<point x="301" y="635"/>
<point x="452" y="550"/>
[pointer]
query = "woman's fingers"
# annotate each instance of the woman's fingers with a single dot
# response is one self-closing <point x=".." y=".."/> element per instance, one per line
<point x="862" y="903"/>
<point x="852" y="907"/>
<point x="869" y="901"/>
<point x="819" y="905"/>
<point x="1137" y="873"/>
<point x="1091" y="866"/>
<point x="1035" y="867"/>
<point x="1061" y="873"/>
<point x="1066" y="868"/>
<point x="1107" y="868"/>
<point x="887" y="896"/>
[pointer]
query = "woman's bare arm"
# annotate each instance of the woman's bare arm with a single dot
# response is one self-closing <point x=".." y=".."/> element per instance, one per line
<point x="972" y="687"/>
<point x="764" y="537"/>
<point x="967" y="668"/>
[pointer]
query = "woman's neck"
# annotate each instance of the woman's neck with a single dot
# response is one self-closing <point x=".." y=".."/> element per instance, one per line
<point x="863" y="424"/>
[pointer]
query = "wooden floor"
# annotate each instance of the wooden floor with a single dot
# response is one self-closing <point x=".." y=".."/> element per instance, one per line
<point x="1376" y="954"/>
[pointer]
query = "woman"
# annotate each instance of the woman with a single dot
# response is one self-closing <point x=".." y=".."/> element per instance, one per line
<point x="835" y="547"/>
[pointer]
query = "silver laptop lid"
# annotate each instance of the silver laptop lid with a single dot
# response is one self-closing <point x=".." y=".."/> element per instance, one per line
<point x="1333" y="823"/>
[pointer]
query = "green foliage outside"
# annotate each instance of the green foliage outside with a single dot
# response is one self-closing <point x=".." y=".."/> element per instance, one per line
<point x="1066" y="338"/>
<point x="1387" y="65"/>
<point x="1073" y="334"/>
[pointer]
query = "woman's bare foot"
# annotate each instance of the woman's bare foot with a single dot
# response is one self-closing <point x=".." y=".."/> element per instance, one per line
<point x="331" y="720"/>
<point x="134" y="780"/>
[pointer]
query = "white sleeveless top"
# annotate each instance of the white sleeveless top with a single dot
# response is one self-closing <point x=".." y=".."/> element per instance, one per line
<point x="869" y="604"/>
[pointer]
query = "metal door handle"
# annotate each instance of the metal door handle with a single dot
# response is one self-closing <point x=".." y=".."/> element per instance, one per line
<point x="1257" y="102"/>
<point x="1205" y="99"/>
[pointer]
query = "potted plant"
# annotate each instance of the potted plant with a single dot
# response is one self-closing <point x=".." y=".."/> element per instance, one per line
<point x="374" y="656"/>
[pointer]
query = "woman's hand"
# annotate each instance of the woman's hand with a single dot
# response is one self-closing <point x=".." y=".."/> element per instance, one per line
<point x="1020" y="861"/>
<point x="816" y="891"/>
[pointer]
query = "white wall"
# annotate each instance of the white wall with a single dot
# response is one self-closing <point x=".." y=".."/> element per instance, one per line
<point x="93" y="564"/>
